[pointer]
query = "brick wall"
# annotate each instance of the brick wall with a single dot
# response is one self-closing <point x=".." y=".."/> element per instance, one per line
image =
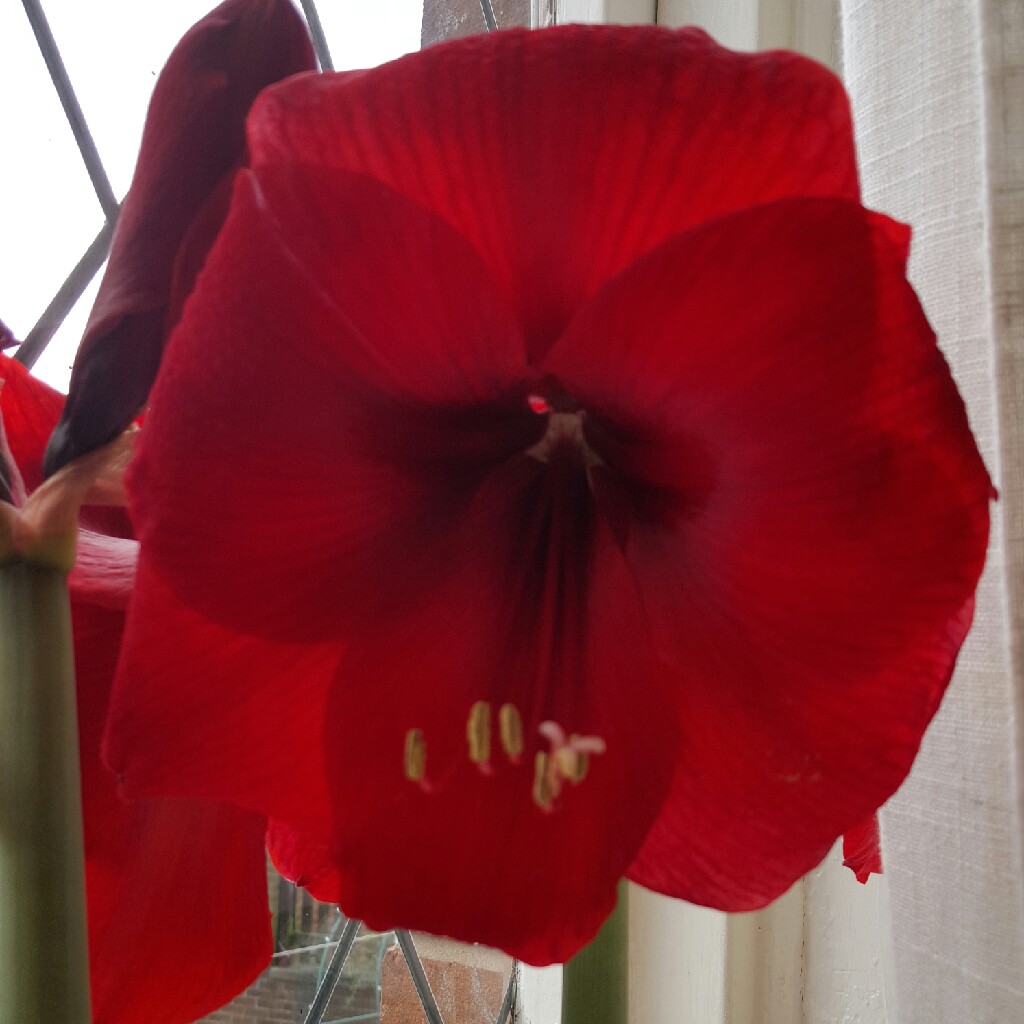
<point x="279" y="996"/>
<point x="283" y="993"/>
<point x="468" y="983"/>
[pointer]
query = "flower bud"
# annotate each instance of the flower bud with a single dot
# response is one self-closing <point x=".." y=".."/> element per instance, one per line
<point x="192" y="144"/>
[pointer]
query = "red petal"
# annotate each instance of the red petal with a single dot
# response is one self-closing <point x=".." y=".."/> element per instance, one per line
<point x="104" y="571"/>
<point x="563" y="155"/>
<point x="194" y="137"/>
<point x="201" y="712"/>
<point x="538" y="611"/>
<point x="345" y="368"/>
<point x="547" y="879"/>
<point x="184" y="902"/>
<point x="306" y="862"/>
<point x="862" y="851"/>
<point x="175" y="889"/>
<point x="30" y="410"/>
<point x="806" y="514"/>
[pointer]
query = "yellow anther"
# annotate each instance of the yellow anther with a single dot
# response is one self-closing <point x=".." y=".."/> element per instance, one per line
<point x="572" y="764"/>
<point x="478" y="732"/>
<point x="415" y="755"/>
<point x="583" y="746"/>
<point x="565" y="761"/>
<point x="511" y="728"/>
<point x="545" y="788"/>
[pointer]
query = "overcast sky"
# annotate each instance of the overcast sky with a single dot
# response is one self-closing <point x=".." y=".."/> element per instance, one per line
<point x="113" y="50"/>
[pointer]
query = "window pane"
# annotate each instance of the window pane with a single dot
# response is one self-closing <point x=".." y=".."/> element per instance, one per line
<point x="113" y="50"/>
<point x="48" y="211"/>
<point x="467" y="983"/>
<point x="362" y="35"/>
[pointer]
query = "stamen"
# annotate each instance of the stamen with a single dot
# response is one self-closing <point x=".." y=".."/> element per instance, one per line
<point x="583" y="747"/>
<point x="415" y="755"/>
<point x="572" y="764"/>
<point x="478" y="733"/>
<point x="568" y="760"/>
<point x="581" y="768"/>
<point x="544" y="786"/>
<point x="511" y="727"/>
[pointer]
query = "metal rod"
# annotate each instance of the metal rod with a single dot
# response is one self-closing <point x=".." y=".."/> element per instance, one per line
<point x="487" y="9"/>
<point x="318" y="1007"/>
<point x="339" y="922"/>
<point x="326" y="944"/>
<point x="67" y="295"/>
<point x="72" y="111"/>
<point x="316" y="31"/>
<point x="419" y="977"/>
<point x="510" y="995"/>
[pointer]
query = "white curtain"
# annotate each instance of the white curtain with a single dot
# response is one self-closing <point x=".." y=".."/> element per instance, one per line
<point x="938" y="95"/>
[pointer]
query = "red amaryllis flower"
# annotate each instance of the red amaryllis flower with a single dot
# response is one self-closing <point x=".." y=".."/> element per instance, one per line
<point x="176" y="889"/>
<point x="575" y="481"/>
<point x="193" y="143"/>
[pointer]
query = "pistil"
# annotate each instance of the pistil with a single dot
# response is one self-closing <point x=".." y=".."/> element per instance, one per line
<point x="565" y="430"/>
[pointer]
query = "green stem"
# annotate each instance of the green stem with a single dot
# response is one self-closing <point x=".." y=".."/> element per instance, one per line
<point x="595" y="982"/>
<point x="44" y="974"/>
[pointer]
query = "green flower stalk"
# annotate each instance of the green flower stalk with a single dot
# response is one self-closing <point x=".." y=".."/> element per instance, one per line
<point x="595" y="982"/>
<point x="44" y="960"/>
<point x="44" y="973"/>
